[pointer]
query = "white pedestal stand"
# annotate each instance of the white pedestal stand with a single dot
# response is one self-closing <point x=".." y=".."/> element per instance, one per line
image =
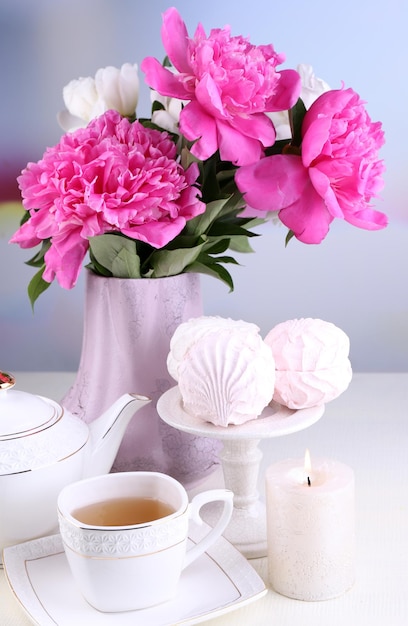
<point x="240" y="460"/>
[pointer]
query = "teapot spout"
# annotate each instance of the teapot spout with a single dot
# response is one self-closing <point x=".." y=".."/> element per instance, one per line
<point x="106" y="433"/>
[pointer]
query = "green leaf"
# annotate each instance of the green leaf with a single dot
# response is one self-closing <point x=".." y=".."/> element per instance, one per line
<point x="234" y="205"/>
<point x="181" y="241"/>
<point x="172" y="262"/>
<point x="117" y="254"/>
<point x="289" y="237"/>
<point x="253" y="222"/>
<point x="278" y="147"/>
<point x="215" y="270"/>
<point x="216" y="246"/>
<point x="157" y="106"/>
<point x="25" y="217"/>
<point x="229" y="229"/>
<point x="126" y="264"/>
<point x="296" y="115"/>
<point x="225" y="176"/>
<point x="201" y="223"/>
<point x="38" y="259"/>
<point x="225" y="259"/>
<point x="37" y="286"/>
<point x="187" y="158"/>
<point x="240" y="244"/>
<point x="210" y="188"/>
<point x="95" y="267"/>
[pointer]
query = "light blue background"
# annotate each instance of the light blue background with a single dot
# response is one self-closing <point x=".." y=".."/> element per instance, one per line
<point x="356" y="279"/>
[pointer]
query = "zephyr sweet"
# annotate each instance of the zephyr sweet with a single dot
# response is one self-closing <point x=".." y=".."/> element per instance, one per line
<point x="312" y="364"/>
<point x="225" y="371"/>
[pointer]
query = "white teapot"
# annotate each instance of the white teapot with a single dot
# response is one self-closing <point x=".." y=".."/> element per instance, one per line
<point x="43" y="448"/>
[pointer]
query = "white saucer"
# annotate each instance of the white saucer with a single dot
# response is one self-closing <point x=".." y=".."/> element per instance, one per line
<point x="218" y="582"/>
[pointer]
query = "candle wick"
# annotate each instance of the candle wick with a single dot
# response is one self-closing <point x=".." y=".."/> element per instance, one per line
<point x="308" y="481"/>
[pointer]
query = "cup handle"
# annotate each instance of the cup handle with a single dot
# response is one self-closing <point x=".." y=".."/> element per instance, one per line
<point x="213" y="495"/>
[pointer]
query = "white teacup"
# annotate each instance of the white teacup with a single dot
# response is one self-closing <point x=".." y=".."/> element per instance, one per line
<point x="121" y="561"/>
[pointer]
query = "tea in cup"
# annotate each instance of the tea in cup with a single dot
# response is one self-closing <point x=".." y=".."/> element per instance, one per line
<point x="125" y="536"/>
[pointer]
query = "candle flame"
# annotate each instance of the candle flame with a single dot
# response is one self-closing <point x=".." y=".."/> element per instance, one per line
<point x="308" y="463"/>
<point x="308" y="466"/>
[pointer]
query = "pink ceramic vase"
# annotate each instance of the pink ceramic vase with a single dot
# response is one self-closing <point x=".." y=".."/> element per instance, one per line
<point x="128" y="324"/>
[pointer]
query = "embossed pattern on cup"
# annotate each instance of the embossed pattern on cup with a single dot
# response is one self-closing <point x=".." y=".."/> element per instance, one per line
<point x="123" y="542"/>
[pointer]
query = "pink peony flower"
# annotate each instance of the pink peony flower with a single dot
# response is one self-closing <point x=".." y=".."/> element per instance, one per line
<point x="112" y="176"/>
<point x="229" y="85"/>
<point x="336" y="175"/>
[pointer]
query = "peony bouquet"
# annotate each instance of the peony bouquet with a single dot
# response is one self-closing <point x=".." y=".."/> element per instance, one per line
<point x="231" y="139"/>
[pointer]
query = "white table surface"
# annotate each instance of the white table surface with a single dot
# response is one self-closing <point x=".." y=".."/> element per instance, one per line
<point x="367" y="428"/>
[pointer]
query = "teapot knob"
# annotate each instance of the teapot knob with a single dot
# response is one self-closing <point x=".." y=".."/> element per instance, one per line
<point x="6" y="380"/>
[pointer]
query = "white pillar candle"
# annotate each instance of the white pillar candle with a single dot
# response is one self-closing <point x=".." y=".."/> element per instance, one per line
<point x="310" y="528"/>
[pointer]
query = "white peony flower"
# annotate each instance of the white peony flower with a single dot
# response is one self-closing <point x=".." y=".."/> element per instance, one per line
<point x="118" y="89"/>
<point x="87" y="98"/>
<point x="312" y="87"/>
<point x="168" y="117"/>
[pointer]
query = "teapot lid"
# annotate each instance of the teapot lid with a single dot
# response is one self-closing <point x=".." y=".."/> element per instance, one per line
<point x="21" y="412"/>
